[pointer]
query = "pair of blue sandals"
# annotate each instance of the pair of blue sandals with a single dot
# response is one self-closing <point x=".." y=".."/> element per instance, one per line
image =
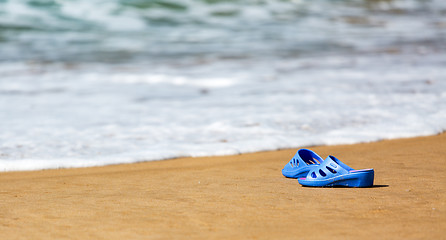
<point x="311" y="170"/>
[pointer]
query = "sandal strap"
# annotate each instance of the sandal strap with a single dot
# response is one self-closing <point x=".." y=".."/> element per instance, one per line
<point x="330" y="167"/>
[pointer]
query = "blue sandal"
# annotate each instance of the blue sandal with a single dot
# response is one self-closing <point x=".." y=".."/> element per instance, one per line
<point x="299" y="166"/>
<point x="333" y="172"/>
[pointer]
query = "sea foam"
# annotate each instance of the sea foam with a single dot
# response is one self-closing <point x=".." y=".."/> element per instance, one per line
<point x="139" y="81"/>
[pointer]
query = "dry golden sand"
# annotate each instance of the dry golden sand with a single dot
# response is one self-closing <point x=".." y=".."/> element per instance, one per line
<point x="234" y="197"/>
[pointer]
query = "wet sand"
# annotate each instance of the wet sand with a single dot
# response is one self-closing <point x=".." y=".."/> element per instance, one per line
<point x="234" y="197"/>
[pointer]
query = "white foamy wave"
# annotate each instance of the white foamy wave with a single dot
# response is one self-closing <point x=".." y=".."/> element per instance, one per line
<point x="89" y="115"/>
<point x="88" y="83"/>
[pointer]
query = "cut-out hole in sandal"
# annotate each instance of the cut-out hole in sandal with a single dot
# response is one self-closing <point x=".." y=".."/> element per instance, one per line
<point x="294" y="163"/>
<point x="323" y="174"/>
<point x="313" y="175"/>
<point x="331" y="169"/>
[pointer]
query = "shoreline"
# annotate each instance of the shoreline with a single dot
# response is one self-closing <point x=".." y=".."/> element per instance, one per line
<point x="240" y="196"/>
<point x="213" y="156"/>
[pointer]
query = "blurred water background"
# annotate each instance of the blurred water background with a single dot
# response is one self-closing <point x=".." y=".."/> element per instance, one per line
<point x="90" y="82"/>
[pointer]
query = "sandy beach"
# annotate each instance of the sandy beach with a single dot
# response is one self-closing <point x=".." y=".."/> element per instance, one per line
<point x="234" y="197"/>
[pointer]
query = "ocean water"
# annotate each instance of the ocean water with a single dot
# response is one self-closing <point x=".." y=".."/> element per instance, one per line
<point x="90" y="82"/>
